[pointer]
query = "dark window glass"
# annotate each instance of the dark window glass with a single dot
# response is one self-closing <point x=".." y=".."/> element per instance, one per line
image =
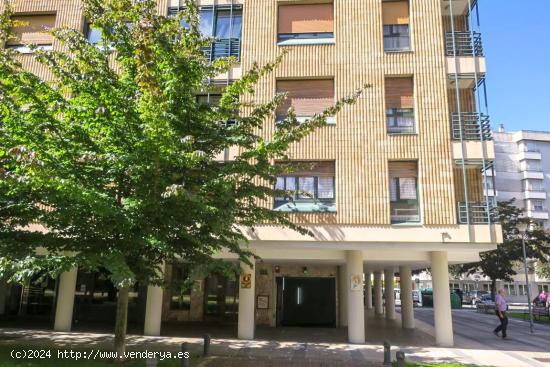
<point x="396" y="37"/>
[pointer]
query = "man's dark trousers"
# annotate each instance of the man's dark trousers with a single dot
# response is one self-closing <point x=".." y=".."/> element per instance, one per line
<point x="503" y="323"/>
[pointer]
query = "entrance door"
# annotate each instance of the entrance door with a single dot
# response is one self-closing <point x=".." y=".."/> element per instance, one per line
<point x="306" y="302"/>
<point x="221" y="298"/>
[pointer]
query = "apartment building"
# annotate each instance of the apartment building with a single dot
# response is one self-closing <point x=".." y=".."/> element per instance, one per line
<point x="395" y="181"/>
<point x="521" y="172"/>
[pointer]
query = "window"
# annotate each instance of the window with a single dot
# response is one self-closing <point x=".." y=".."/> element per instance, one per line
<point x="522" y="290"/>
<point x="510" y="289"/>
<point x="543" y="287"/>
<point x="536" y="205"/>
<point x="486" y="287"/>
<point x="400" y="105"/>
<point x="34" y="30"/>
<point x="404" y="205"/>
<point x="306" y="23"/>
<point x="395" y="17"/>
<point x="532" y="165"/>
<point x="224" y="24"/>
<point x="308" y="187"/>
<point x="94" y="35"/>
<point x="180" y="297"/>
<point x="307" y="97"/>
<point x="534" y="185"/>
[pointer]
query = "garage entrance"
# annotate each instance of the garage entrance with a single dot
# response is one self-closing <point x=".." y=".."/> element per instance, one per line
<point x="306" y="302"/>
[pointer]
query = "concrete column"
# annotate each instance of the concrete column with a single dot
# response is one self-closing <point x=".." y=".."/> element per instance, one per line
<point x="443" y="319"/>
<point x="356" y="307"/>
<point x="153" y="311"/>
<point x="378" y="306"/>
<point x="246" y="323"/>
<point x="407" y="306"/>
<point x="343" y="287"/>
<point x="65" y="300"/>
<point x="389" y="293"/>
<point x="368" y="290"/>
<point x="3" y="296"/>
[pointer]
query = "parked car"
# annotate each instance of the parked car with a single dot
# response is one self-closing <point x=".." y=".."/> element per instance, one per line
<point x="485" y="304"/>
<point x="472" y="297"/>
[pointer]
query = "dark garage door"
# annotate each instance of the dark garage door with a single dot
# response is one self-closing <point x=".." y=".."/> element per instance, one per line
<point x="306" y="302"/>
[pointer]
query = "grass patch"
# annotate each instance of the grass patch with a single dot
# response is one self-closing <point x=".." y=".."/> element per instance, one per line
<point x="521" y="316"/>
<point x="51" y="358"/>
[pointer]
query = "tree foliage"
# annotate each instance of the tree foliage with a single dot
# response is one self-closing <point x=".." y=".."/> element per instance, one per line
<point x="116" y="157"/>
<point x="500" y="264"/>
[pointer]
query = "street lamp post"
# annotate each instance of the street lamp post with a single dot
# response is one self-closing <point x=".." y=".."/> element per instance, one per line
<point x="523" y="234"/>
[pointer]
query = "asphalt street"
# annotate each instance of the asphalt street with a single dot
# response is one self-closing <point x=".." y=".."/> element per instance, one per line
<point x="475" y="330"/>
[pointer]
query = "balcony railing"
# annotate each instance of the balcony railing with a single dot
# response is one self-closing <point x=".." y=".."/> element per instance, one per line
<point x="476" y="212"/>
<point x="475" y="126"/>
<point x="225" y="47"/>
<point x="463" y="44"/>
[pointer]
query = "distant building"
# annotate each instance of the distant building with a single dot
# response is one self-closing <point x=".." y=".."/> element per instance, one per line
<point x="522" y="172"/>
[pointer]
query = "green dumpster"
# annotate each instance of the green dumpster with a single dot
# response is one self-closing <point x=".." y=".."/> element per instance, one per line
<point x="456" y="302"/>
<point x="427" y="297"/>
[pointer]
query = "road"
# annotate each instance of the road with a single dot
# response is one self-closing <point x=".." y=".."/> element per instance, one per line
<point x="475" y="330"/>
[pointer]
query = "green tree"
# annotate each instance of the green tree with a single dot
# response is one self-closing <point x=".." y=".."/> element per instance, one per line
<point x="543" y="269"/>
<point x="499" y="264"/>
<point x="116" y="157"/>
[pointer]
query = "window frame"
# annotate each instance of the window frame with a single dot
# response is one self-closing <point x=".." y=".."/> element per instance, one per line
<point x="393" y="115"/>
<point x="393" y="34"/>
<point x="306" y="38"/>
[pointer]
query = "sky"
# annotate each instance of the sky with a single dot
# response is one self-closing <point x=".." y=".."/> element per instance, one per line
<point x="516" y="42"/>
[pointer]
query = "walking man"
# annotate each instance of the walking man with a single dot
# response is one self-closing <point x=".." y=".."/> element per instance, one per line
<point x="501" y="307"/>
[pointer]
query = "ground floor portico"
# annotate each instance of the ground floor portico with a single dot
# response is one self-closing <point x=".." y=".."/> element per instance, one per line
<point x="327" y="280"/>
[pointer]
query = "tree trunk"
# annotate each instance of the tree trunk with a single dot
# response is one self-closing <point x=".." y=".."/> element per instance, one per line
<point x="493" y="289"/>
<point x="121" y="322"/>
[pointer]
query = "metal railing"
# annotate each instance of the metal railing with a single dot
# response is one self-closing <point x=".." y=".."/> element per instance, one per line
<point x="475" y="126"/>
<point x="466" y="43"/>
<point x="225" y="47"/>
<point x="476" y="212"/>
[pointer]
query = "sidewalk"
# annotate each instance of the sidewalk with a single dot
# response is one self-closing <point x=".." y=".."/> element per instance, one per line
<point x="261" y="353"/>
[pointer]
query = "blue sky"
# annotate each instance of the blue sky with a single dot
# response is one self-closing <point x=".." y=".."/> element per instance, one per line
<point x="517" y="45"/>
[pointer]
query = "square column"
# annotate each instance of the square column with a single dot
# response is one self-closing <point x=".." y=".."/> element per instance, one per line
<point x="247" y="284"/>
<point x="407" y="305"/>
<point x="356" y="307"/>
<point x="343" y="296"/>
<point x="65" y="300"/>
<point x="389" y="293"/>
<point x="368" y="290"/>
<point x="443" y="318"/>
<point x="378" y="305"/>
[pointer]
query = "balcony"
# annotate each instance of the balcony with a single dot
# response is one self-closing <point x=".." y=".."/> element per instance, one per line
<point x="457" y="7"/>
<point x="538" y="214"/>
<point x="536" y="194"/>
<point x="525" y="155"/>
<point x="225" y="47"/>
<point x="470" y="126"/>
<point x="477" y="213"/>
<point x="463" y="44"/>
<point x="405" y="211"/>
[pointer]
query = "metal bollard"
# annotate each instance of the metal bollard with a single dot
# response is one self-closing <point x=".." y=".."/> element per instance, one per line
<point x="185" y="350"/>
<point x="387" y="353"/>
<point x="400" y="359"/>
<point x="151" y="362"/>
<point x="206" y="346"/>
